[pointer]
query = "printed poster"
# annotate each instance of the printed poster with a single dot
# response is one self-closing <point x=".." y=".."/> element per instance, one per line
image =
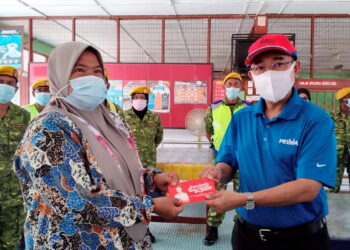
<point x="218" y="90"/>
<point x="190" y="92"/>
<point x="115" y="92"/>
<point x="159" y="99"/>
<point x="11" y="47"/>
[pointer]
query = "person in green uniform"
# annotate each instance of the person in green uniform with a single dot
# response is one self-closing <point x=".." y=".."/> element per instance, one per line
<point x="147" y="129"/>
<point x="41" y="92"/>
<point x="13" y="123"/>
<point x="342" y="131"/>
<point x="217" y="119"/>
<point x="145" y="125"/>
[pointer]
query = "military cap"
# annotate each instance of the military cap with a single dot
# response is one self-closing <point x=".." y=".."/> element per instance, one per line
<point x="40" y="83"/>
<point x="140" y="90"/>
<point x="343" y="92"/>
<point x="7" y="70"/>
<point x="232" y="75"/>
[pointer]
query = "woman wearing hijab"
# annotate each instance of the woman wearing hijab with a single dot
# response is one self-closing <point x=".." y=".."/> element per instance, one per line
<point x="81" y="178"/>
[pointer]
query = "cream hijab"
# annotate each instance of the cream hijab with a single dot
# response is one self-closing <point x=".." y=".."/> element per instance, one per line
<point x="124" y="172"/>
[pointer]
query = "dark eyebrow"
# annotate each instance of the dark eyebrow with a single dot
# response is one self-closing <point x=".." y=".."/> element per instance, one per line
<point x="79" y="65"/>
<point x="278" y="57"/>
<point x="257" y="61"/>
<point x="83" y="65"/>
<point x="8" y="81"/>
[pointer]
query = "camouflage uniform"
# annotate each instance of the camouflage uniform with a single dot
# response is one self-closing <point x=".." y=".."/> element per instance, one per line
<point x="342" y="132"/>
<point x="148" y="134"/>
<point x="215" y="218"/>
<point x="12" y="215"/>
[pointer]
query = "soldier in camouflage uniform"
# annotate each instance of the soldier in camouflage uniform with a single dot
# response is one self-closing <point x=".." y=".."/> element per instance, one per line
<point x="13" y="122"/>
<point x="147" y="129"/>
<point x="217" y="119"/>
<point x="342" y="130"/>
<point x="145" y="125"/>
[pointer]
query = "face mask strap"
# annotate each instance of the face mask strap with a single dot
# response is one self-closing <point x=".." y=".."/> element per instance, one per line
<point x="60" y="91"/>
<point x="292" y="66"/>
<point x="347" y="104"/>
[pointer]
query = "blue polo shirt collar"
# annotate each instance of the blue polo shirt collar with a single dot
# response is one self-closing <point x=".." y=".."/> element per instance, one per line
<point x="289" y="112"/>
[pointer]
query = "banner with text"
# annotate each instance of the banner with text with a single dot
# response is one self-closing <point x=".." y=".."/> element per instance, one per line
<point x="11" y="47"/>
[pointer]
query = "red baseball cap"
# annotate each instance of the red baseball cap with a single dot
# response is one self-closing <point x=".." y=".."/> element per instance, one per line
<point x="270" y="42"/>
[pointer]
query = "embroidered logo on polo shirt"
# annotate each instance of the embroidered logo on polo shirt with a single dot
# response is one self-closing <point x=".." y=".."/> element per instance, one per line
<point x="289" y="141"/>
<point x="320" y="165"/>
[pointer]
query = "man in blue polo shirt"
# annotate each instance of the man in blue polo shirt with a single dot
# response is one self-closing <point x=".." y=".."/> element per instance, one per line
<point x="285" y="150"/>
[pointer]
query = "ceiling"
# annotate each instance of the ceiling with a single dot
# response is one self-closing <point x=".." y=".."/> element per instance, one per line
<point x="186" y="39"/>
<point x="169" y="7"/>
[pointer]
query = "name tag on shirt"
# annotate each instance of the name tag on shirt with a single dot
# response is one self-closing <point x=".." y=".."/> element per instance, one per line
<point x="192" y="191"/>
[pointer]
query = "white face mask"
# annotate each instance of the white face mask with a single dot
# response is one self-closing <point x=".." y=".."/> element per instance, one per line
<point x="274" y="85"/>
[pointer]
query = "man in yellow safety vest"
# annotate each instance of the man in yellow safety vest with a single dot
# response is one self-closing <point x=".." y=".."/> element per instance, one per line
<point x="41" y="92"/>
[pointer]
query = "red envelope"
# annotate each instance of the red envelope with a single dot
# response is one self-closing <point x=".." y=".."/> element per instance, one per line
<point x="192" y="191"/>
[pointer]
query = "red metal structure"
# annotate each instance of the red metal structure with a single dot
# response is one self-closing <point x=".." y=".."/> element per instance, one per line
<point x="200" y="39"/>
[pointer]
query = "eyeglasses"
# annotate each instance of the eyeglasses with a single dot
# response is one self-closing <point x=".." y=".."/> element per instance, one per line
<point x="278" y="66"/>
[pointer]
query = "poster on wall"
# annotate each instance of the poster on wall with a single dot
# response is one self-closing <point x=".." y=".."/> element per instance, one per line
<point x="190" y="92"/>
<point x="219" y="90"/>
<point x="159" y="99"/>
<point x="11" y="47"/>
<point x="161" y="78"/>
<point x="115" y="92"/>
<point x="130" y="84"/>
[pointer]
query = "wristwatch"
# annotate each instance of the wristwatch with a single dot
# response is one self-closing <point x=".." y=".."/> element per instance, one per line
<point x="250" y="202"/>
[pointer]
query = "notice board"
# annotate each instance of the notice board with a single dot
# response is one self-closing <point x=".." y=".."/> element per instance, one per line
<point x="176" y="88"/>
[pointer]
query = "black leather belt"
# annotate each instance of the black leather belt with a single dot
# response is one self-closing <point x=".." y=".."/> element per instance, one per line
<point x="281" y="234"/>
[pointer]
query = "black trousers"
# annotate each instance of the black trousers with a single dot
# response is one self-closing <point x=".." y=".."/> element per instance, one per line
<point x="246" y="239"/>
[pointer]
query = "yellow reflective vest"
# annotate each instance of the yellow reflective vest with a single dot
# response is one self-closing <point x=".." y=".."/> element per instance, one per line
<point x="32" y="109"/>
<point x="221" y="119"/>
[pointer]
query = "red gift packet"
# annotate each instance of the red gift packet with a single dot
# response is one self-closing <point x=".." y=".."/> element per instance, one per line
<point x="192" y="191"/>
